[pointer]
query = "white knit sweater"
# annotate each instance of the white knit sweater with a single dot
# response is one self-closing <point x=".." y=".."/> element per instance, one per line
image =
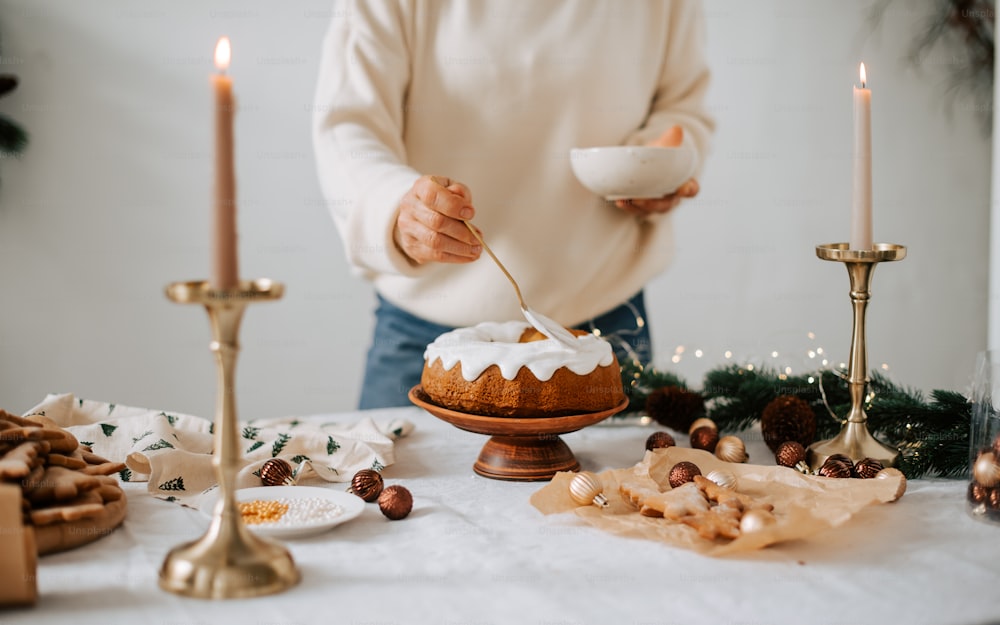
<point x="494" y="93"/>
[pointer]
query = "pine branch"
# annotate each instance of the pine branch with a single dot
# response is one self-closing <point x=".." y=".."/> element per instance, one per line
<point x="965" y="30"/>
<point x="739" y="395"/>
<point x="933" y="436"/>
<point x="13" y="138"/>
<point x="8" y="82"/>
<point x="639" y="382"/>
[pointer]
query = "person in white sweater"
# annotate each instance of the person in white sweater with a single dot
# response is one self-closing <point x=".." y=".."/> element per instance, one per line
<point x="430" y="112"/>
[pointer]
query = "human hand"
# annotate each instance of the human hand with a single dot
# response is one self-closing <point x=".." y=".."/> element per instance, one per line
<point x="671" y="138"/>
<point x="429" y="226"/>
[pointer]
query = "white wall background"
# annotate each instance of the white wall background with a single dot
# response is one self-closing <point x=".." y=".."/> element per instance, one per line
<point x="111" y="201"/>
<point x="993" y="310"/>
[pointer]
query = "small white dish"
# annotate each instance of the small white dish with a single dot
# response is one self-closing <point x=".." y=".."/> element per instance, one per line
<point x="350" y="506"/>
<point x="632" y="172"/>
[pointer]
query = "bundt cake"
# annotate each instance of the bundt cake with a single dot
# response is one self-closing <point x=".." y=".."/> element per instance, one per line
<point x="509" y="369"/>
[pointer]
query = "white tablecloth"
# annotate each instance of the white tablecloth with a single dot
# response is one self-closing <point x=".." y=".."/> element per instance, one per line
<point x="475" y="552"/>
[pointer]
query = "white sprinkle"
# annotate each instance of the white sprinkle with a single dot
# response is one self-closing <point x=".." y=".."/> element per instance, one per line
<point x="306" y="511"/>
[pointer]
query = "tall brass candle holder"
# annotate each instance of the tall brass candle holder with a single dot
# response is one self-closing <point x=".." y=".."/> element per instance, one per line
<point x="228" y="561"/>
<point x="854" y="440"/>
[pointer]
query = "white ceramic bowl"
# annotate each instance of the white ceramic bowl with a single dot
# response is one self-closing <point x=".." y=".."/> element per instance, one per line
<point x="632" y="171"/>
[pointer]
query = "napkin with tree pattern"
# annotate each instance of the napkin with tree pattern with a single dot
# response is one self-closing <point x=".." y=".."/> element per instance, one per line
<point x="173" y="452"/>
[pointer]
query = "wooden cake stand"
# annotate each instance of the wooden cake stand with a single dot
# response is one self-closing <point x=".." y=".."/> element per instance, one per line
<point x="519" y="449"/>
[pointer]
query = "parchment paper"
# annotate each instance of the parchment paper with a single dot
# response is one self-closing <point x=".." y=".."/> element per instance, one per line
<point x="803" y="504"/>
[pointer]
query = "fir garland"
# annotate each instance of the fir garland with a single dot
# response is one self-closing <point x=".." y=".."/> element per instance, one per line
<point x="932" y="435"/>
<point x="963" y="29"/>
<point x="13" y="138"/>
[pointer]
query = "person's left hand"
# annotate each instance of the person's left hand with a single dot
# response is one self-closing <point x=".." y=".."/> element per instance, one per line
<point x="672" y="137"/>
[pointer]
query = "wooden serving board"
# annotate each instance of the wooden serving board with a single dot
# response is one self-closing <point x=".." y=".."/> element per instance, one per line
<point x="71" y="534"/>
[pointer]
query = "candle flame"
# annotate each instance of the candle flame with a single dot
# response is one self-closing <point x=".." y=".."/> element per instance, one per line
<point x="864" y="76"/>
<point x="223" y="53"/>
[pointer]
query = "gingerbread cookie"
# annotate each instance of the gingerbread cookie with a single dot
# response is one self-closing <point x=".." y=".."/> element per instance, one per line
<point x="69" y="462"/>
<point x="108" y="468"/>
<point x="679" y="503"/>
<point x="716" y="522"/>
<point x="636" y="491"/>
<point x="14" y="419"/>
<point x="109" y="490"/>
<point x="67" y="493"/>
<point x="711" y="510"/>
<point x="18" y="462"/>
<point x="59" y="484"/>
<point x="90" y="457"/>
<point x="87" y="505"/>
<point x="61" y="440"/>
<point x="728" y="497"/>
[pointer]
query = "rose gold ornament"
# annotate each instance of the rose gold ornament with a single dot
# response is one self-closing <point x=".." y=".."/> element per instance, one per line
<point x="891" y="473"/>
<point x="731" y="449"/>
<point x="792" y="454"/>
<point x="703" y="422"/>
<point x="395" y="502"/>
<point x="986" y="469"/>
<point x="867" y="468"/>
<point x="841" y="458"/>
<point x="978" y="493"/>
<point x="367" y="484"/>
<point x="836" y="467"/>
<point x="585" y="489"/>
<point x="705" y="438"/>
<point x="659" y="440"/>
<point x="682" y="473"/>
<point x="277" y="472"/>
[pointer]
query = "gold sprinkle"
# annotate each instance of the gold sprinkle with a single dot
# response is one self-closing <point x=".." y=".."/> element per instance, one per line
<point x="260" y="511"/>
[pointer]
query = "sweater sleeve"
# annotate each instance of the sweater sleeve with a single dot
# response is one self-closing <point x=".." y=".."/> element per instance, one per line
<point x="684" y="78"/>
<point x="358" y="130"/>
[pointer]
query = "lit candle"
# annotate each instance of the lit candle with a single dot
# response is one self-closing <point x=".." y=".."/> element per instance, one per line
<point x="861" y="206"/>
<point x="225" y="269"/>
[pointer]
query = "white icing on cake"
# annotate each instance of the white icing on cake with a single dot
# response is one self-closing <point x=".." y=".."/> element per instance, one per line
<point x="492" y="343"/>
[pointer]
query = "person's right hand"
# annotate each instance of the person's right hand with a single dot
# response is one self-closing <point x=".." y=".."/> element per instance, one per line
<point x="429" y="225"/>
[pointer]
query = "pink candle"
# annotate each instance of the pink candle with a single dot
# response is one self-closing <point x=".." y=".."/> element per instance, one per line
<point x="861" y="205"/>
<point x="225" y="270"/>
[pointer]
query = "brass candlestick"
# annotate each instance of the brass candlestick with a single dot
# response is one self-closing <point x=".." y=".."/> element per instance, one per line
<point x="854" y="440"/>
<point x="228" y="561"/>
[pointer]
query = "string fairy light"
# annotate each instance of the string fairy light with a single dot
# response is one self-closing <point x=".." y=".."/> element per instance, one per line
<point x="627" y="337"/>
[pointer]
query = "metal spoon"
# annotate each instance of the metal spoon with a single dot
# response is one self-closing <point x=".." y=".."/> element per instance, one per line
<point x="540" y="322"/>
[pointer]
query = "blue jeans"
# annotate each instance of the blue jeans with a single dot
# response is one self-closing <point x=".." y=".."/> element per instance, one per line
<point x="396" y="356"/>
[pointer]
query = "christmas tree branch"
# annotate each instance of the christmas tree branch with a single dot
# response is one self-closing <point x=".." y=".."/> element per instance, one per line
<point x="932" y="435"/>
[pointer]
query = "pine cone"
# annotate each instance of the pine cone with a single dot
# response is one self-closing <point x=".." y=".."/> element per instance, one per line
<point x="674" y="407"/>
<point x="788" y="418"/>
